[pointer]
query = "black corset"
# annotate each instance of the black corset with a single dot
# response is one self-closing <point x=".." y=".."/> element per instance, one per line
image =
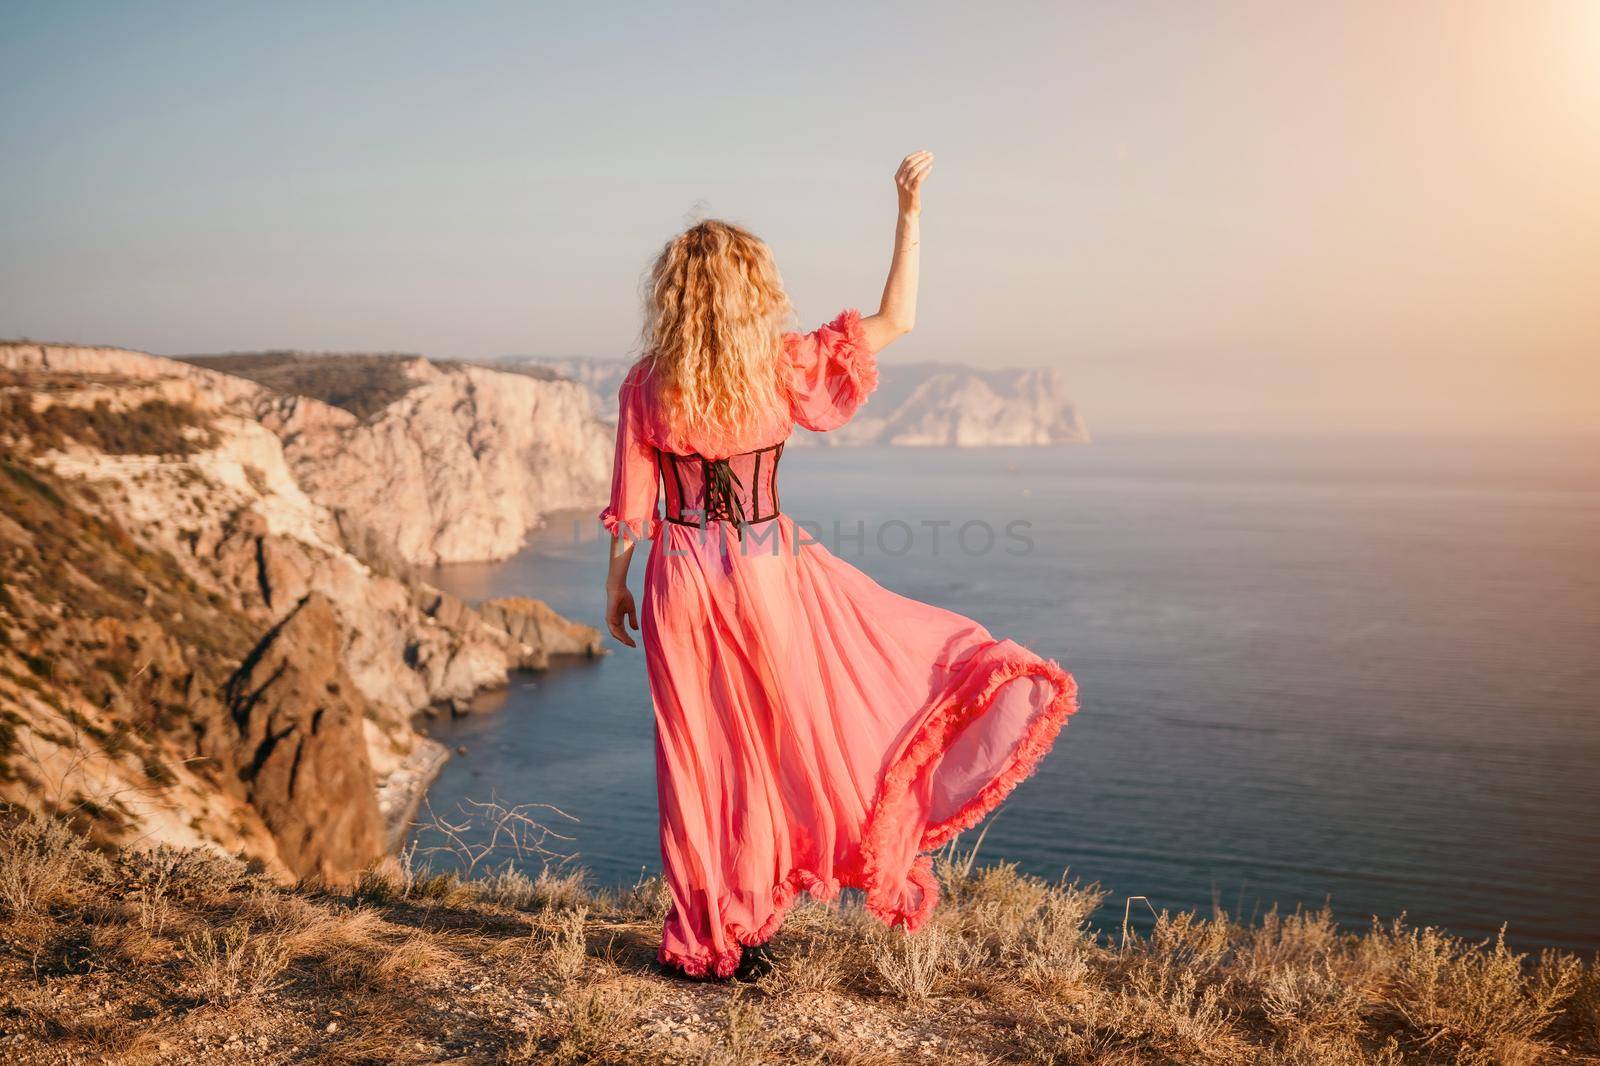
<point x="742" y="489"/>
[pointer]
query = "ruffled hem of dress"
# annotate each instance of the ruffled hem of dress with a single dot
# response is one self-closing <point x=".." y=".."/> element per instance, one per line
<point x="784" y="896"/>
<point x="935" y="736"/>
<point x="937" y="732"/>
<point x="631" y="529"/>
<point x="850" y="351"/>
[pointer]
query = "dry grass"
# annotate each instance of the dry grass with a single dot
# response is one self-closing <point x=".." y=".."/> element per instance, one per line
<point x="45" y="865"/>
<point x="236" y="962"/>
<point x="172" y="956"/>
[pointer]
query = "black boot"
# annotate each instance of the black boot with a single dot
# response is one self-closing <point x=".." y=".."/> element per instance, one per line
<point x="754" y="964"/>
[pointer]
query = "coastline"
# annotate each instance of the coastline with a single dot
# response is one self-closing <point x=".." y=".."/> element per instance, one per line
<point x="401" y="792"/>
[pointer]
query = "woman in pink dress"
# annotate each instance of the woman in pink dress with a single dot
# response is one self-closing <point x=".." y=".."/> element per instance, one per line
<point x="813" y="730"/>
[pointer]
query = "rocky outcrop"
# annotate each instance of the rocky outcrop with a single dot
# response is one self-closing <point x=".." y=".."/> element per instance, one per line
<point x="939" y="405"/>
<point x="302" y="752"/>
<point x="458" y="465"/>
<point x="444" y="463"/>
<point x="916" y="404"/>
<point x="237" y="518"/>
<point x="602" y="377"/>
<point x="152" y="530"/>
<point x="539" y="631"/>
<point x="112" y="663"/>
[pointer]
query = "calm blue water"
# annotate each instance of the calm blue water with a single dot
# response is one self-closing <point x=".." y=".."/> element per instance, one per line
<point x="1357" y="670"/>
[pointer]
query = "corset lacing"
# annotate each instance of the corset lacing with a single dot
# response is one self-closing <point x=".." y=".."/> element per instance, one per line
<point x="723" y="495"/>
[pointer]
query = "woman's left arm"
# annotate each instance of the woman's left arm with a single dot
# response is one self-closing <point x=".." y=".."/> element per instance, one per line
<point x="631" y="514"/>
<point x="619" y="601"/>
<point x="897" y="311"/>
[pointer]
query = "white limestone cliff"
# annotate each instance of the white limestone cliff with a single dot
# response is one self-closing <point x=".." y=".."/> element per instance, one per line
<point x="915" y="405"/>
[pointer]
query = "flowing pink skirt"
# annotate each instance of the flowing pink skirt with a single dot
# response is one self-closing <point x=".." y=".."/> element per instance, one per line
<point x="816" y="731"/>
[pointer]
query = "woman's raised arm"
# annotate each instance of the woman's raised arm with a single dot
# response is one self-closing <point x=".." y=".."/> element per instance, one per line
<point x="897" y="311"/>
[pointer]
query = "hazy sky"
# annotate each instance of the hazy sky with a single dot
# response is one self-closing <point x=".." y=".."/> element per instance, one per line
<point x="1357" y="216"/>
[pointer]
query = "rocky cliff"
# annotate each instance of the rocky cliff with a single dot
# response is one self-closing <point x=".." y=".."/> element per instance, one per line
<point x="602" y="377"/>
<point x="446" y="462"/>
<point x="186" y="632"/>
<point x="939" y="404"/>
<point x="916" y="404"/>
<point x="302" y="750"/>
<point x="538" y="629"/>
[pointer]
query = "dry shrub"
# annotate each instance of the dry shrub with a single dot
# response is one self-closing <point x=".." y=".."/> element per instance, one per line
<point x="810" y="915"/>
<point x="1051" y="1040"/>
<point x="847" y="928"/>
<point x="1021" y="928"/>
<point x="993" y="906"/>
<point x="283" y="912"/>
<point x="190" y="875"/>
<point x="1061" y="973"/>
<point x="448" y="890"/>
<point x="1479" y="1002"/>
<point x="1056" y="945"/>
<point x="823" y="947"/>
<point x="507" y="888"/>
<point x="559" y="889"/>
<point x="554" y="888"/>
<point x="744" y="1035"/>
<point x="1187" y="1024"/>
<point x="1311" y="983"/>
<point x="915" y="967"/>
<point x="388" y="879"/>
<point x="1317" y="1015"/>
<point x="147" y="879"/>
<point x="356" y="954"/>
<point x="597" y="1024"/>
<point x="817" y="966"/>
<point x="1188" y="942"/>
<point x="233" y="964"/>
<point x="1171" y="993"/>
<point x="564" y="943"/>
<point x="1287" y="941"/>
<point x="347" y="942"/>
<point x="108" y="1038"/>
<point x="1180" y="1016"/>
<point x="647" y="900"/>
<point x="555" y="949"/>
<point x="1007" y="962"/>
<point x="44" y="864"/>
<point x="1583" y="1012"/>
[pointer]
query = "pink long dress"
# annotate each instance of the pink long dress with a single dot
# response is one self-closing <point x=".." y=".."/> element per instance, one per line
<point x="813" y="729"/>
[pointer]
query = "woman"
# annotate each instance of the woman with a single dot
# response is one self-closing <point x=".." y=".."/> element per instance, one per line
<point x="813" y="730"/>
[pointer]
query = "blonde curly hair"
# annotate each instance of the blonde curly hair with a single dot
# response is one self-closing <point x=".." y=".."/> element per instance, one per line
<point x="714" y="315"/>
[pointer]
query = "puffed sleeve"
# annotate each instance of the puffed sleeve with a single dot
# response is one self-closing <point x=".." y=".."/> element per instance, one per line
<point x="632" y="511"/>
<point x="831" y="372"/>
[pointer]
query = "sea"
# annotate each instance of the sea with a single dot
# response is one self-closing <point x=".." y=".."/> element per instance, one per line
<point x="1353" y="671"/>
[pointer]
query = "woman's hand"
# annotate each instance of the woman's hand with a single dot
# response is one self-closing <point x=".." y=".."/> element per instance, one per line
<point x="897" y="311"/>
<point x="619" y="606"/>
<point x="908" y="181"/>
